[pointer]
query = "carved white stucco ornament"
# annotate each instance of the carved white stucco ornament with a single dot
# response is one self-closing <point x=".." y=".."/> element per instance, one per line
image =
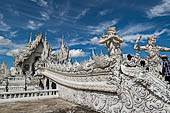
<point x="106" y="83"/>
<point x="153" y="52"/>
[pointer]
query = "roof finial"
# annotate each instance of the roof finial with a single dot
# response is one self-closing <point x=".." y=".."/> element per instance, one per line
<point x="45" y="36"/>
<point x="62" y="42"/>
<point x="30" y="37"/>
<point x="101" y="52"/>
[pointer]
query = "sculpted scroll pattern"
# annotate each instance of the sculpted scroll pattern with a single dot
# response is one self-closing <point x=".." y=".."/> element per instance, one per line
<point x="136" y="98"/>
<point x="133" y="99"/>
<point x="140" y="90"/>
<point x="156" y="86"/>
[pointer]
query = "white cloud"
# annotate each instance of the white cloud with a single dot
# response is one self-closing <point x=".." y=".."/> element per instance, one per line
<point x="12" y="52"/>
<point x="42" y="3"/>
<point x="77" y="41"/>
<point x="45" y="15"/>
<point x="163" y="9"/>
<point x="3" y="25"/>
<point x="13" y="33"/>
<point x="124" y="44"/>
<point x="3" y="51"/>
<point x="7" y="46"/>
<point x="94" y="40"/>
<point x="132" y="32"/>
<point x="83" y="13"/>
<point x="132" y="38"/>
<point x="101" y="27"/>
<point x="52" y="31"/>
<point x="132" y="29"/>
<point x="103" y="12"/>
<point x="78" y="53"/>
<point x="5" y="42"/>
<point x="34" y="25"/>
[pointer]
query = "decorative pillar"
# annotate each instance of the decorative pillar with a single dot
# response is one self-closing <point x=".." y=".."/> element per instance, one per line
<point x="50" y="83"/>
<point x="45" y="81"/>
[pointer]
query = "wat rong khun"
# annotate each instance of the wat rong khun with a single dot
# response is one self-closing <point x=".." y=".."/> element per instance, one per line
<point x="105" y="83"/>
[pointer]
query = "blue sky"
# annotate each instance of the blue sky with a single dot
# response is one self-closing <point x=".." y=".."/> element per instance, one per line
<point x="82" y="22"/>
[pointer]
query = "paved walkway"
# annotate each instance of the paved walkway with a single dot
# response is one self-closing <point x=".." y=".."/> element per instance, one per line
<point x="43" y="106"/>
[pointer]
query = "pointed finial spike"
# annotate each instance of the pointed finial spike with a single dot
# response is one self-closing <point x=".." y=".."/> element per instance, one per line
<point x="45" y="36"/>
<point x="30" y="37"/>
<point x="101" y="52"/>
<point x="62" y="42"/>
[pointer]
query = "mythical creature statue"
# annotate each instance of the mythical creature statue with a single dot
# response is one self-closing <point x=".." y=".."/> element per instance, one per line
<point x="103" y="61"/>
<point x="113" y="42"/>
<point x="152" y="50"/>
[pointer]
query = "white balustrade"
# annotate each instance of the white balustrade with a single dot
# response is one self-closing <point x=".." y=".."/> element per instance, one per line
<point x="16" y="78"/>
<point x="6" y="97"/>
<point x="2" y="89"/>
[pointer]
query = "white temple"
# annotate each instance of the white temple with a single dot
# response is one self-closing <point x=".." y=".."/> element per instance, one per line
<point x="104" y="83"/>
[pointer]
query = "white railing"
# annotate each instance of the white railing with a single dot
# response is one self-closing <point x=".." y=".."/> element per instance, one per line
<point x="17" y="88"/>
<point x="12" y="88"/>
<point x="6" y="97"/>
<point x="2" y="88"/>
<point x="16" y="78"/>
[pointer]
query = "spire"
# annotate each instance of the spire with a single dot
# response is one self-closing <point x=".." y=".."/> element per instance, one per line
<point x="3" y="65"/>
<point x="45" y="36"/>
<point x="30" y="37"/>
<point x="45" y="41"/>
<point x="101" y="52"/>
<point x="3" y="62"/>
<point x="62" y="42"/>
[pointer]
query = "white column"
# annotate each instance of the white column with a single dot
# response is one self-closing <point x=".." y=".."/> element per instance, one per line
<point x="45" y="81"/>
<point x="50" y="83"/>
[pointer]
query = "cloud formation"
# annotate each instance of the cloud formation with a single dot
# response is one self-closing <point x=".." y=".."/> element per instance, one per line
<point x="132" y="38"/>
<point x="12" y="52"/>
<point x="34" y="25"/>
<point x="3" y="25"/>
<point x="101" y="27"/>
<point x="7" y="46"/>
<point x="83" y="13"/>
<point x="162" y="9"/>
<point x="137" y="28"/>
<point x="78" y="53"/>
<point x="78" y="41"/>
<point x="42" y="3"/>
<point x="45" y="15"/>
<point x="103" y="12"/>
<point x="94" y="40"/>
<point x="5" y="42"/>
